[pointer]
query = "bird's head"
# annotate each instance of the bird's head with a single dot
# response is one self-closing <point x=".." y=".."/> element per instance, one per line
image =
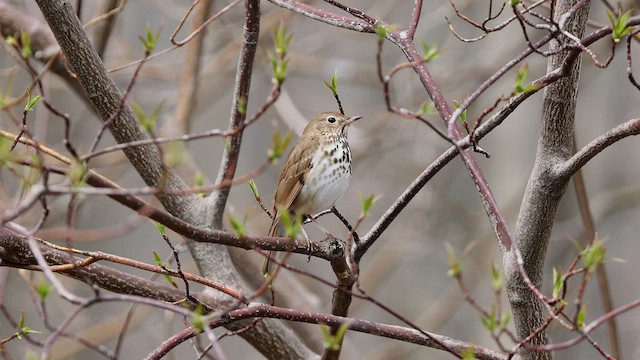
<point x="330" y="123"/>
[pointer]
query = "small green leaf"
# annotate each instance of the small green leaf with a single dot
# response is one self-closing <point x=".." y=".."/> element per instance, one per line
<point x="521" y="77"/>
<point x="334" y="81"/>
<point x="468" y="354"/>
<point x="254" y="188"/>
<point x="490" y="322"/>
<point x="430" y="53"/>
<point x="291" y="226"/>
<point x="199" y="181"/>
<point x="150" y="40"/>
<point x="169" y="279"/>
<point x="282" y="71"/>
<point x="21" y="321"/>
<point x="158" y="260"/>
<point x="557" y="282"/>
<point x="77" y="173"/>
<point x="365" y="204"/>
<point x="138" y="111"/>
<point x="384" y="29"/>
<point x="326" y="331"/>
<point x="197" y="320"/>
<point x="505" y="321"/>
<point x="161" y="263"/>
<point x="333" y="85"/>
<point x="426" y="108"/>
<point x="332" y="342"/>
<point x="26" y="331"/>
<point x="281" y="40"/>
<point x="148" y="122"/>
<point x="279" y="145"/>
<point x="161" y="228"/>
<point x="463" y="116"/>
<point x="593" y="255"/>
<point x="582" y="314"/>
<point x="279" y="68"/>
<point x="6" y="156"/>
<point x="31" y="102"/>
<point x="514" y="2"/>
<point x="519" y="86"/>
<point x="531" y="87"/>
<point x="25" y="41"/>
<point x="242" y="105"/>
<point x="497" y="279"/>
<point x="237" y="226"/>
<point x="11" y="40"/>
<point x="619" y="24"/>
<point x="268" y="278"/>
<point x="8" y="87"/>
<point x="455" y="266"/>
<point x="43" y="289"/>
<point x="522" y="74"/>
<point x="342" y="330"/>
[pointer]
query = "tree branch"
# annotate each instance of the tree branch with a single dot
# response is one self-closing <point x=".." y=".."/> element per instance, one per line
<point x="14" y="251"/>
<point x="596" y="146"/>
<point x="544" y="190"/>
<point x="364" y="326"/>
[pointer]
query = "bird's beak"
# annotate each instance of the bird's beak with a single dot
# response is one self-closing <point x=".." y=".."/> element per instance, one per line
<point x="353" y="119"/>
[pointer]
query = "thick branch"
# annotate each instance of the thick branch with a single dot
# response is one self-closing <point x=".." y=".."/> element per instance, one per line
<point x="364" y="326"/>
<point x="106" y="100"/>
<point x="544" y="190"/>
<point x="584" y="155"/>
<point x="14" y="251"/>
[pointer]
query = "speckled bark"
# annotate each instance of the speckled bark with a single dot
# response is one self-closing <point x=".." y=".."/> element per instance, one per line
<point x="545" y="188"/>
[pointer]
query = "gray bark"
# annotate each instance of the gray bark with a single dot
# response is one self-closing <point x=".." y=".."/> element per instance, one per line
<point x="545" y="188"/>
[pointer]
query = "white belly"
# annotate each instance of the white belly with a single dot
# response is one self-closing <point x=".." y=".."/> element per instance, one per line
<point x="327" y="181"/>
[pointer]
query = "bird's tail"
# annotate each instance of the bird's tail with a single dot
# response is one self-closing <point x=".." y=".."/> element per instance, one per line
<point x="276" y="229"/>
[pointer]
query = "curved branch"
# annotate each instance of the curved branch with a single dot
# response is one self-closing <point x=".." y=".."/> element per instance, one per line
<point x="596" y="146"/>
<point x="363" y="326"/>
<point x="14" y="251"/>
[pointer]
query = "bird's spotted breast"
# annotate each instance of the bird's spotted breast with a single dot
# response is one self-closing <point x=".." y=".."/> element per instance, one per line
<point x="328" y="178"/>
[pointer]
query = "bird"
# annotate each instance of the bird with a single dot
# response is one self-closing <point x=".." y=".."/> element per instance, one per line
<point x="316" y="173"/>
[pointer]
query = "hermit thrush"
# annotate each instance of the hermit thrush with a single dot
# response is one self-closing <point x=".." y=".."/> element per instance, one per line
<point x="316" y="173"/>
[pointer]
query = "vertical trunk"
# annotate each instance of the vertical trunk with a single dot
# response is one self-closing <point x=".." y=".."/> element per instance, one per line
<point x="545" y="189"/>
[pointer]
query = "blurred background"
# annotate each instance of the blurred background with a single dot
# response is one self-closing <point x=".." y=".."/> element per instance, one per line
<point x="407" y="267"/>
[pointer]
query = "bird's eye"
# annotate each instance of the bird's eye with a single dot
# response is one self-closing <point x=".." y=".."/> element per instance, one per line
<point x="331" y="119"/>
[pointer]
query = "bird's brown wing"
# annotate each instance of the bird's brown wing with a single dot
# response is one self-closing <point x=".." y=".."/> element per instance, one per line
<point x="292" y="177"/>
